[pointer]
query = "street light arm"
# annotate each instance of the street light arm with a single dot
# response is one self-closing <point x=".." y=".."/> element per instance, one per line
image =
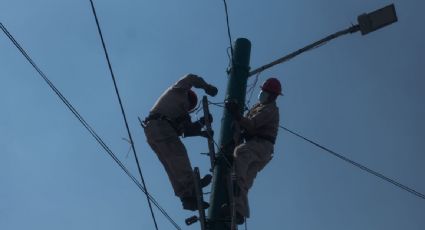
<point x="316" y="44"/>
<point x="367" y="23"/>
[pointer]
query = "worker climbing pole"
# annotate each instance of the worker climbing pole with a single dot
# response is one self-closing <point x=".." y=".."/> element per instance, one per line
<point x="219" y="213"/>
<point x="168" y="120"/>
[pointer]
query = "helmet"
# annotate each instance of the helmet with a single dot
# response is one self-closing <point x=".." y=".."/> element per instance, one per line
<point x="272" y="85"/>
<point x="193" y="99"/>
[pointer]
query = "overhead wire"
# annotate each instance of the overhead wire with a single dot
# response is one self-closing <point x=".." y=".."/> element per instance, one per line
<point x="358" y="165"/>
<point x="123" y="112"/>
<point x="85" y="124"/>
<point x="228" y="32"/>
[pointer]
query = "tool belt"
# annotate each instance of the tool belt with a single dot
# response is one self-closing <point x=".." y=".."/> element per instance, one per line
<point x="264" y="137"/>
<point x="155" y="116"/>
<point x="173" y="122"/>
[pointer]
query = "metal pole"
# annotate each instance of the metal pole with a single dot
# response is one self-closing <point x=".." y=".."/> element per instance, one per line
<point x="219" y="219"/>
<point x="316" y="44"/>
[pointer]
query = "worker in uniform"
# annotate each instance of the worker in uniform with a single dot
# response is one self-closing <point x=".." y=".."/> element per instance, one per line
<point x="259" y="131"/>
<point x="168" y="120"/>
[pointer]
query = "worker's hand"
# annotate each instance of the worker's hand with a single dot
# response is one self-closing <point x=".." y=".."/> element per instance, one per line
<point x="192" y="129"/>
<point x="202" y="119"/>
<point x="233" y="109"/>
<point x="211" y="90"/>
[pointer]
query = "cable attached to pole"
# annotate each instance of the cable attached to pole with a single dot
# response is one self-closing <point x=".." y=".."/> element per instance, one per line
<point x="228" y="33"/>
<point x="358" y="165"/>
<point x="123" y="113"/>
<point x="86" y="125"/>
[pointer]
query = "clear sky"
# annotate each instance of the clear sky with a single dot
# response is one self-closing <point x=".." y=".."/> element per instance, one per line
<point x="362" y="96"/>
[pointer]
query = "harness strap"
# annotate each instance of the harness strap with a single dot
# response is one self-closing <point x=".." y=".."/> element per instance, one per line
<point x="264" y="137"/>
<point x="173" y="122"/>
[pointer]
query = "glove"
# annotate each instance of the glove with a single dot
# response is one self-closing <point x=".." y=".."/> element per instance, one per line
<point x="202" y="119"/>
<point x="211" y="90"/>
<point x="192" y="130"/>
<point x="233" y="109"/>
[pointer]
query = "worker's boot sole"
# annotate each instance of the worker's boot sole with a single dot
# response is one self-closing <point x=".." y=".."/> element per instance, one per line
<point x="190" y="203"/>
<point x="206" y="180"/>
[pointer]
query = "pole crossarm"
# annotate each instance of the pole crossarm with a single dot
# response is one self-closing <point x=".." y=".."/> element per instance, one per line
<point x="316" y="44"/>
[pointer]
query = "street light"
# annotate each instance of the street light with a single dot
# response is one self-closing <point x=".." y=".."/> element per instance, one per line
<point x="367" y="23"/>
<point x="377" y="19"/>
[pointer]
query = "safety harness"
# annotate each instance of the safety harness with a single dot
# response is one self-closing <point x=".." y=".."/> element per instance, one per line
<point x="264" y="137"/>
<point x="175" y="123"/>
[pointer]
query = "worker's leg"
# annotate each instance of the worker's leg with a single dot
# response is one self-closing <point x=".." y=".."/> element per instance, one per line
<point x="250" y="158"/>
<point x="173" y="156"/>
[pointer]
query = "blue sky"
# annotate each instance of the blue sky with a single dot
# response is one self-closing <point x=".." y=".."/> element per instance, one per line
<point x="361" y="96"/>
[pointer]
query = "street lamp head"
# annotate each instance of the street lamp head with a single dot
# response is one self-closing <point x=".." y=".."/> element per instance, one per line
<point x="377" y="19"/>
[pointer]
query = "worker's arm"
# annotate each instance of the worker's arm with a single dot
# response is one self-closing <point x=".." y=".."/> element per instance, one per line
<point x="195" y="129"/>
<point x="192" y="80"/>
<point x="262" y="117"/>
<point x="191" y="129"/>
<point x="251" y="124"/>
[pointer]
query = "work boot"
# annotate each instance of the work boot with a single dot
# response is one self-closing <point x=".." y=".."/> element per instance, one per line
<point x="205" y="181"/>
<point x="190" y="203"/>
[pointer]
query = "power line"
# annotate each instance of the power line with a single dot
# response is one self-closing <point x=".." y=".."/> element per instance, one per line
<point x="85" y="124"/>
<point x="228" y="31"/>
<point x="123" y="113"/>
<point x="377" y="174"/>
<point x="358" y="165"/>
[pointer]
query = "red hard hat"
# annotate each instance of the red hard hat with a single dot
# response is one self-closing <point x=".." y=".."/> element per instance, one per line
<point x="193" y="99"/>
<point x="272" y="85"/>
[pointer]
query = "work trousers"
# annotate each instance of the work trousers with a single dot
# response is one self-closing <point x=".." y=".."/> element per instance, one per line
<point x="167" y="145"/>
<point x="249" y="158"/>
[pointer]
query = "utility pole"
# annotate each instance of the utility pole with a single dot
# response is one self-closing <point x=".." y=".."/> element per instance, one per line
<point x="218" y="219"/>
<point x="221" y="192"/>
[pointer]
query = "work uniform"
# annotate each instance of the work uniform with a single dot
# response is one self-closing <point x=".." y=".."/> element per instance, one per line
<point x="165" y="123"/>
<point x="261" y="126"/>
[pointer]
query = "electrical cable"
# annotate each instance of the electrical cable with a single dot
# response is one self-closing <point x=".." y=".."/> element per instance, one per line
<point x="123" y="112"/>
<point x="228" y="31"/>
<point x="229" y="165"/>
<point x="218" y="104"/>
<point x="358" y="165"/>
<point x="84" y="123"/>
<point x="251" y="90"/>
